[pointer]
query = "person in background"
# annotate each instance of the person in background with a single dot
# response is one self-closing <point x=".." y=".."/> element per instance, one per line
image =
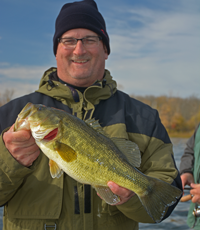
<point x="83" y="87"/>
<point x="190" y="175"/>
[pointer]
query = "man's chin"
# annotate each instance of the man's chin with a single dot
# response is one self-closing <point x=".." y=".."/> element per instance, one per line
<point x="80" y="77"/>
<point x="81" y="80"/>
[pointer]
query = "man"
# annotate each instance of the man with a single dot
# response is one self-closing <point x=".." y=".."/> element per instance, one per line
<point x="190" y="175"/>
<point x="79" y="85"/>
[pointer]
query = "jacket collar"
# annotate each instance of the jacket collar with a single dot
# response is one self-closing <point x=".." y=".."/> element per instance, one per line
<point x="100" y="90"/>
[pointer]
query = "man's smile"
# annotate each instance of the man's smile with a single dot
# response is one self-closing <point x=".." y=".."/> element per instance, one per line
<point x="80" y="62"/>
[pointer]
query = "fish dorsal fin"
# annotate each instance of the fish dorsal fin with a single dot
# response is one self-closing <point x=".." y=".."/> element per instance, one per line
<point x="129" y="149"/>
<point x="55" y="170"/>
<point x="95" y="125"/>
<point x="107" y="195"/>
<point x="65" y="151"/>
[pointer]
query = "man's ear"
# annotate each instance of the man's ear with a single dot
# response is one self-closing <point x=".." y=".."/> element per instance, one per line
<point x="106" y="52"/>
<point x="105" y="48"/>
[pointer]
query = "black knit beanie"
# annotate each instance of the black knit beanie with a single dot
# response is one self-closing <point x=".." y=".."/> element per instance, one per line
<point x="83" y="14"/>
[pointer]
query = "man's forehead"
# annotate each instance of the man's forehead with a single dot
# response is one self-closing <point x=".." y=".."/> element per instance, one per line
<point x="80" y="32"/>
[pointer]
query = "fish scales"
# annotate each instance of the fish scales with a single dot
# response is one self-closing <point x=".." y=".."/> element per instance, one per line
<point x="103" y="164"/>
<point x="89" y="153"/>
<point x="94" y="163"/>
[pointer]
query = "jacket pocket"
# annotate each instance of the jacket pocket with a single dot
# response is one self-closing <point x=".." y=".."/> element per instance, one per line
<point x="39" y="196"/>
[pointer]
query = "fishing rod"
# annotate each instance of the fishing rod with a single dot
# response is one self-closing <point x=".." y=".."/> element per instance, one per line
<point x="187" y="197"/>
<point x="196" y="211"/>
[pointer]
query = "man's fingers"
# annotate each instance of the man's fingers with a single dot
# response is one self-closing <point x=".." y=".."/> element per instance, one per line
<point x="21" y="146"/>
<point x="118" y="190"/>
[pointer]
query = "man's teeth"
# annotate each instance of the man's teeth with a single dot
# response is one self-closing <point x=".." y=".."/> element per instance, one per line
<point x="81" y="61"/>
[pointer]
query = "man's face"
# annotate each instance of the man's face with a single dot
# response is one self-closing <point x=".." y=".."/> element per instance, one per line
<point x="80" y="66"/>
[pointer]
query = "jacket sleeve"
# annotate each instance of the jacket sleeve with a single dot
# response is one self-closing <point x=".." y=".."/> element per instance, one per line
<point x="134" y="210"/>
<point x="187" y="160"/>
<point x="12" y="174"/>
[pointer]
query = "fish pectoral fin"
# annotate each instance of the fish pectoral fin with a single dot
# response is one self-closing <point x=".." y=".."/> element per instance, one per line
<point x="65" y="151"/>
<point x="55" y="170"/>
<point x="107" y="195"/>
<point x="129" y="149"/>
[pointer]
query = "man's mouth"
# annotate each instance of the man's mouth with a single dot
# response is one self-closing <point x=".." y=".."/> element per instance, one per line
<point x="80" y="62"/>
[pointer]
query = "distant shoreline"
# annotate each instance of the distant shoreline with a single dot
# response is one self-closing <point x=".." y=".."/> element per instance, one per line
<point x="180" y="134"/>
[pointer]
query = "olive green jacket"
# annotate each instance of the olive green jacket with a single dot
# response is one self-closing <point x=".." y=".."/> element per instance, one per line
<point x="33" y="200"/>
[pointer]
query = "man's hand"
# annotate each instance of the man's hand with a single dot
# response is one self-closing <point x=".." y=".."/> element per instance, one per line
<point x="195" y="192"/>
<point x="123" y="193"/>
<point x="187" y="179"/>
<point x="21" y="146"/>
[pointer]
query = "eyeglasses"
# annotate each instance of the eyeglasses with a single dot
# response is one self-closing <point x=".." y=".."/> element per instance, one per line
<point x="88" y="42"/>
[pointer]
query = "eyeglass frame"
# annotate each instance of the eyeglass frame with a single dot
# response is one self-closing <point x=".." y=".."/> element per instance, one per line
<point x="78" y="39"/>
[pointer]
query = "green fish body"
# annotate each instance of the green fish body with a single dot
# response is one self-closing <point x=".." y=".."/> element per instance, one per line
<point x="83" y="151"/>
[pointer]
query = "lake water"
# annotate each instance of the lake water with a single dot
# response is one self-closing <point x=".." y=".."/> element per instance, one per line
<point x="177" y="220"/>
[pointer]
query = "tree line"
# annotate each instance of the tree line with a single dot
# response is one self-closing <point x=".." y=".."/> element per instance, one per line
<point x="180" y="116"/>
<point x="6" y="96"/>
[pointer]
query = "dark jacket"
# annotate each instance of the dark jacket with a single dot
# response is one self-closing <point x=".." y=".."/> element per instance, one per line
<point x="32" y="198"/>
<point x="187" y="160"/>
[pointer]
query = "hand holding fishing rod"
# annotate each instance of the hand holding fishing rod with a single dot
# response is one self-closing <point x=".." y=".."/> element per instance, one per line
<point x="189" y="170"/>
<point x="194" y="196"/>
<point x="195" y="192"/>
<point x="187" y="179"/>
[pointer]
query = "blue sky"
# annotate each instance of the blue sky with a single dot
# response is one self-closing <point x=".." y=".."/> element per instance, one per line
<point x="155" y="44"/>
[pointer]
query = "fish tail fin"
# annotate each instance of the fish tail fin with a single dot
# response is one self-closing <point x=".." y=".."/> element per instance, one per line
<point x="158" y="198"/>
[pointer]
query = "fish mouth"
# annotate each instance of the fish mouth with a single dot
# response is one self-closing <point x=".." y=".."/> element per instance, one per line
<point x="51" y="135"/>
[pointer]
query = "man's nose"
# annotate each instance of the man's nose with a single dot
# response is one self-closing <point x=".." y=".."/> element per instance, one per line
<point x="79" y="49"/>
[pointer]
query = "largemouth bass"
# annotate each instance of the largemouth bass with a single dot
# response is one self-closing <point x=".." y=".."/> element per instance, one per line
<point x="84" y="151"/>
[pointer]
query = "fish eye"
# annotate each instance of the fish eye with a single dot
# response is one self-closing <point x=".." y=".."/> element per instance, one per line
<point x="40" y="107"/>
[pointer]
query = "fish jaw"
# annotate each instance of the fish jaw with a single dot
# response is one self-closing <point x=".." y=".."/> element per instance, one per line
<point x="22" y="119"/>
